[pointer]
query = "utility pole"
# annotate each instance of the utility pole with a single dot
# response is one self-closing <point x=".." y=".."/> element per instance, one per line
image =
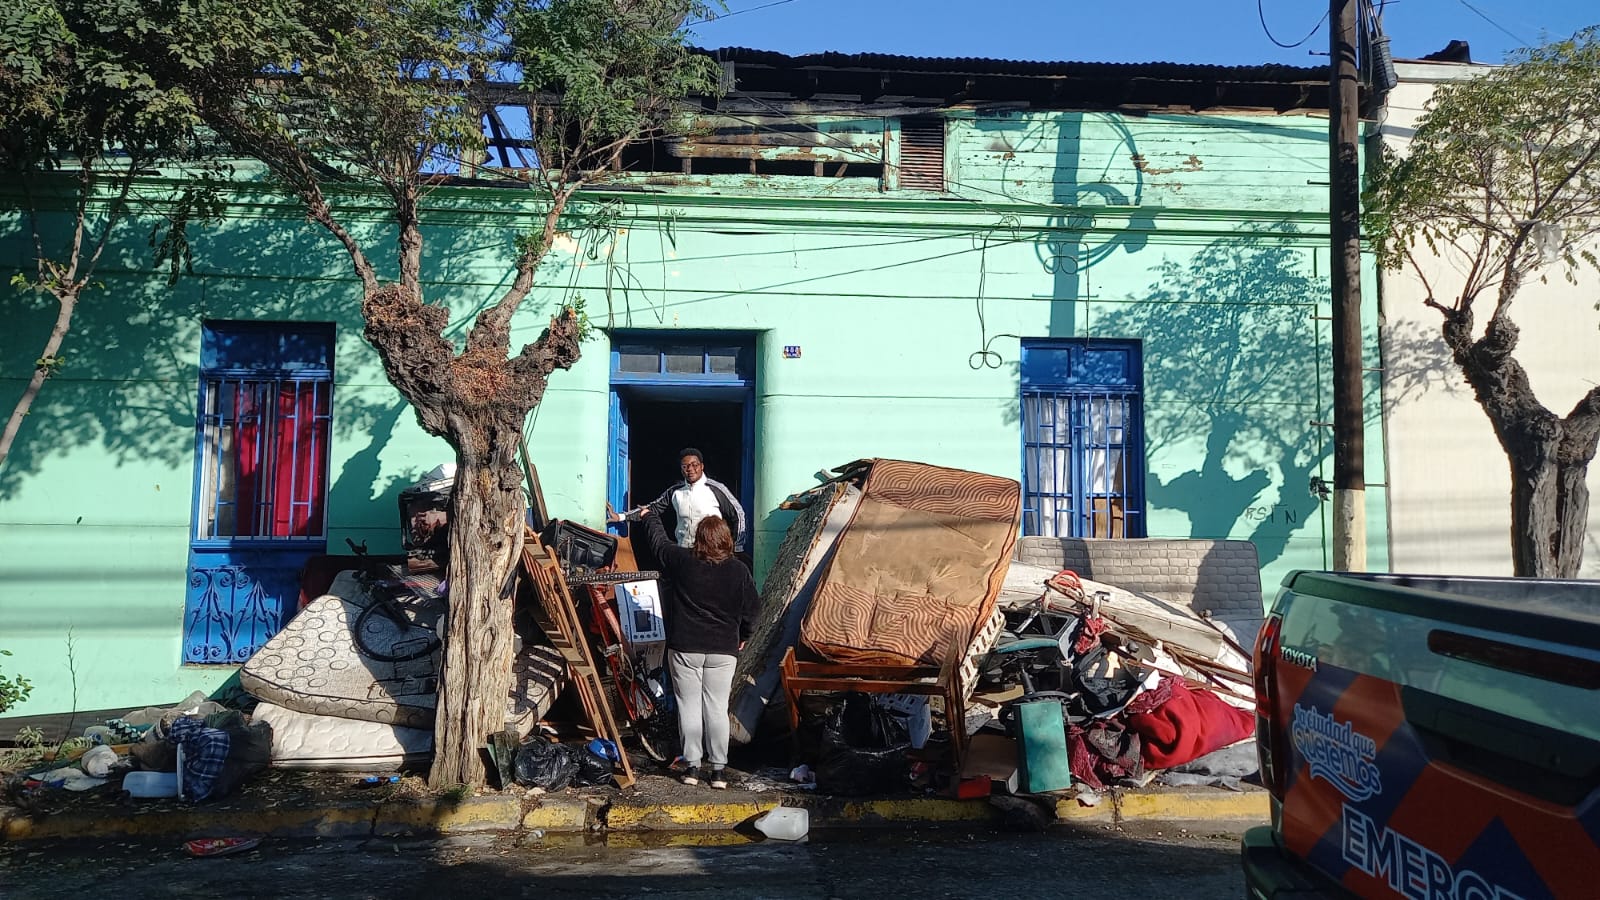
<point x="1344" y="207"/>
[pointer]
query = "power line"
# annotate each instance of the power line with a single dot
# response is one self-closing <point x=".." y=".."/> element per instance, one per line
<point x="1506" y="31"/>
<point x="1261" y="14"/>
<point x="740" y="12"/>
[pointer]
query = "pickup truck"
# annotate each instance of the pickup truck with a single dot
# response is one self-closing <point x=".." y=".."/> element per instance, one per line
<point x="1428" y="737"/>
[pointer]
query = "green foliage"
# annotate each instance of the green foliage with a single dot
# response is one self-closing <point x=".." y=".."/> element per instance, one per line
<point x="619" y="68"/>
<point x="30" y="736"/>
<point x="71" y="95"/>
<point x="14" y="689"/>
<point x="1503" y="174"/>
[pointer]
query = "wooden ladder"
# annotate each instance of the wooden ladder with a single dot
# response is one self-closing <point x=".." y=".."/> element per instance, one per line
<point x="556" y="613"/>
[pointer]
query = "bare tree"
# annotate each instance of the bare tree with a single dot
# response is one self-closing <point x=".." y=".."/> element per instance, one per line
<point x="1502" y="182"/>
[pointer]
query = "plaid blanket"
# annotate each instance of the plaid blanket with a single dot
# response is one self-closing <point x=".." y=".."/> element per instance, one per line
<point x="204" y="752"/>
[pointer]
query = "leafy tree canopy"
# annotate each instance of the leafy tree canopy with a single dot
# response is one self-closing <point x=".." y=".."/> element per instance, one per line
<point x="1504" y="170"/>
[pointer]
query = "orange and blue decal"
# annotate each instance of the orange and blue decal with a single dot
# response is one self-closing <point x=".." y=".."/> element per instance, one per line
<point x="1365" y="804"/>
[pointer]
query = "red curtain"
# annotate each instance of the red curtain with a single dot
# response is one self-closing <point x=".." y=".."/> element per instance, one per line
<point x="280" y="444"/>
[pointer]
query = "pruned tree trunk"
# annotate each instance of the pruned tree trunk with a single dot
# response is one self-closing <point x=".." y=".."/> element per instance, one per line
<point x="1549" y="455"/>
<point x="486" y="515"/>
<point x="1549" y="511"/>
<point x="477" y="401"/>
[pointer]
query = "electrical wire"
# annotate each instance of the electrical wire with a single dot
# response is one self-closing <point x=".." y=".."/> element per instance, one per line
<point x="1261" y="14"/>
<point x="738" y="12"/>
<point x="1504" y="30"/>
<point x="983" y="357"/>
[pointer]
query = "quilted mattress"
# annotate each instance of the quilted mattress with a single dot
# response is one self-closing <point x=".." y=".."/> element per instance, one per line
<point x="308" y="741"/>
<point x="919" y="566"/>
<point x="313" y="666"/>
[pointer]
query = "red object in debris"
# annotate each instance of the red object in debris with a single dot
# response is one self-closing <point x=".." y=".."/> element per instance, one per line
<point x="973" y="788"/>
<point x="220" y="846"/>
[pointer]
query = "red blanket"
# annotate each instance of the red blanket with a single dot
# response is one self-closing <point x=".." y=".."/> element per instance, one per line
<point x="1186" y="726"/>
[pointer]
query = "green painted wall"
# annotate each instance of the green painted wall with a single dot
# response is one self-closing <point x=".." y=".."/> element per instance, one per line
<point x="1200" y="236"/>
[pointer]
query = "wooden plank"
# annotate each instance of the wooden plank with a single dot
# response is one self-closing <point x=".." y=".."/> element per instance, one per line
<point x="556" y="613"/>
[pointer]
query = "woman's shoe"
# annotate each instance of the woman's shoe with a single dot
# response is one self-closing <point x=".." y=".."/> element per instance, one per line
<point x="718" y="780"/>
<point x="691" y="777"/>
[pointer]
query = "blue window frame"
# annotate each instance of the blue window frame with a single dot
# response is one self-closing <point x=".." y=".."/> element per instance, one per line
<point x="685" y="361"/>
<point x="1082" y="439"/>
<point x="262" y="428"/>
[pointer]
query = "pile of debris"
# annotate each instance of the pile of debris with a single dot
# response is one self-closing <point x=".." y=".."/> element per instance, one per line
<point x="945" y="664"/>
<point x="898" y="643"/>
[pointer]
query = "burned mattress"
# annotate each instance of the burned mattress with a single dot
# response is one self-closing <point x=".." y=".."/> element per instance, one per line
<point x="314" y="666"/>
<point x="918" y="568"/>
<point x="309" y="741"/>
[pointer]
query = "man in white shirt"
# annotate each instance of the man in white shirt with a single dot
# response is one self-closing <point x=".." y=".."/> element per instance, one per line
<point x="695" y="497"/>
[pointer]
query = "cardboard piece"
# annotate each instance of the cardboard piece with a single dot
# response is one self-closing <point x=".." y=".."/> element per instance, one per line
<point x="995" y="756"/>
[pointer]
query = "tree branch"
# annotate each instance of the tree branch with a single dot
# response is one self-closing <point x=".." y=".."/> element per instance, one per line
<point x="492" y="328"/>
<point x="118" y="207"/>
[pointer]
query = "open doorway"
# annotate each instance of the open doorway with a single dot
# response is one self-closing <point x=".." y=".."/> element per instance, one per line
<point x="660" y="428"/>
<point x="683" y="392"/>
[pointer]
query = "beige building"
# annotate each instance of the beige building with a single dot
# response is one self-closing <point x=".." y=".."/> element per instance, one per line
<point x="1449" y="482"/>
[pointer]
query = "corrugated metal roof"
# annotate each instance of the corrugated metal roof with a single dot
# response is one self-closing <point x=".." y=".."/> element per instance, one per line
<point x="1167" y="71"/>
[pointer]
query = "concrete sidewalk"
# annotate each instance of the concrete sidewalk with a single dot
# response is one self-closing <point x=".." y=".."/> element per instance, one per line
<point x="628" y="812"/>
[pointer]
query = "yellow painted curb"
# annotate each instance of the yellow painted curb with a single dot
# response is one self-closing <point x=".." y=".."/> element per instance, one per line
<point x="324" y="822"/>
<point x="1070" y="810"/>
<point x="561" y="816"/>
<point x="683" y="816"/>
<point x="1211" y="805"/>
<point x="918" y="809"/>
<point x="489" y="813"/>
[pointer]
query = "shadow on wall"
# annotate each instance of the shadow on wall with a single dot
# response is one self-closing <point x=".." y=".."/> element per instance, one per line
<point x="1232" y="353"/>
<point x="1230" y="350"/>
<point x="130" y="383"/>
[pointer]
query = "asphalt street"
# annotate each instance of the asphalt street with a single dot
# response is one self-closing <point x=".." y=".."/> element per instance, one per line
<point x="1100" y="862"/>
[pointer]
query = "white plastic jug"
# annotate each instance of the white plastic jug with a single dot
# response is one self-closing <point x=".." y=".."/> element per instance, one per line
<point x="784" y="823"/>
<point x="151" y="784"/>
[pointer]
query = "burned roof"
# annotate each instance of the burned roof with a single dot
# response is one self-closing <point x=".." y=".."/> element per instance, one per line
<point x="1052" y="84"/>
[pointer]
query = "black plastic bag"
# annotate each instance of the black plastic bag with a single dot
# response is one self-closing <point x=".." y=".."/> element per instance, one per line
<point x="545" y="765"/>
<point x="867" y="725"/>
<point x="863" y="749"/>
<point x="593" y="769"/>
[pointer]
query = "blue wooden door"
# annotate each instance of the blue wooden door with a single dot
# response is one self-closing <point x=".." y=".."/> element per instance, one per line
<point x="617" y="469"/>
<point x="261" y="479"/>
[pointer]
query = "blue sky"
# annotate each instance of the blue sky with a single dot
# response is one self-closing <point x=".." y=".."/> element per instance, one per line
<point x="1226" y="33"/>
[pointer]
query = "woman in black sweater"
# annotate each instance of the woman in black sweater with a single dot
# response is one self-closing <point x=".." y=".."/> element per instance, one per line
<point x="710" y="609"/>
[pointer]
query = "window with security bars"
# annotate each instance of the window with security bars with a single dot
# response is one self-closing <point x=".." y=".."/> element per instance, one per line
<point x="1082" y="449"/>
<point x="262" y="429"/>
<point x="264" y="451"/>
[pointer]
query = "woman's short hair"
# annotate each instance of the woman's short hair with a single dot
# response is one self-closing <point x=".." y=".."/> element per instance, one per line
<point x="713" y="542"/>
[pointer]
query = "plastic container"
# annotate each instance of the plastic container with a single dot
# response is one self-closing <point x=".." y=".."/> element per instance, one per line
<point x="784" y="823"/>
<point x="151" y="784"/>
